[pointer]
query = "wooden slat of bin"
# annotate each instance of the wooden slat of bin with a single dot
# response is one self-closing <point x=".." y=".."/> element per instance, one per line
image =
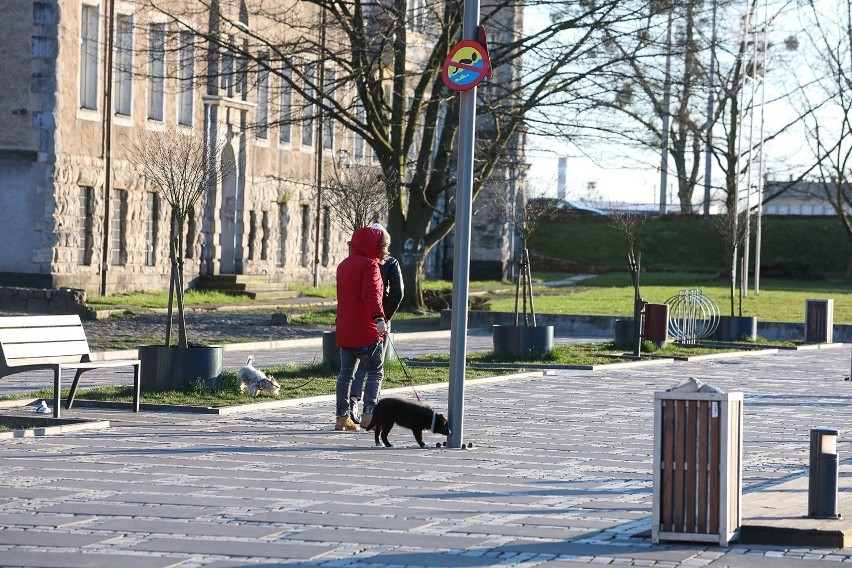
<point x="680" y="460"/>
<point x="703" y="466"/>
<point x="666" y="519"/>
<point x="690" y="471"/>
<point x="714" y="440"/>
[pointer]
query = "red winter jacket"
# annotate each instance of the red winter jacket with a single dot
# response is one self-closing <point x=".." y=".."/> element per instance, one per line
<point x="359" y="291"/>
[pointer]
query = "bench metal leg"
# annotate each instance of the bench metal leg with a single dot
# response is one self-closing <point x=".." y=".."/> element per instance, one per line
<point x="73" y="392"/>
<point x="137" y="387"/>
<point x="57" y="391"/>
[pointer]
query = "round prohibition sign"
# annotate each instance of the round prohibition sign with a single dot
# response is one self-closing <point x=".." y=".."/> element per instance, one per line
<point x="466" y="65"/>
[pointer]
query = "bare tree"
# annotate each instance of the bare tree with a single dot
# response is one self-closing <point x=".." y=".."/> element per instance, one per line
<point x="733" y="227"/>
<point x="661" y="87"/>
<point x="357" y="195"/>
<point x="825" y="90"/>
<point x="524" y="216"/>
<point x="628" y="223"/>
<point x="663" y="84"/>
<point x="180" y="167"/>
<point x="373" y="70"/>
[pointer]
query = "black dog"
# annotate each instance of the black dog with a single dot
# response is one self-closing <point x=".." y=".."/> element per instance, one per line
<point x="416" y="417"/>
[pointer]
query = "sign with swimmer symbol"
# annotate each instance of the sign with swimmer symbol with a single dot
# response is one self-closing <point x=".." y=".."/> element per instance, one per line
<point x="467" y="64"/>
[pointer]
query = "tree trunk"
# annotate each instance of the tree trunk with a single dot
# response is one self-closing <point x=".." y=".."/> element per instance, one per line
<point x="848" y="276"/>
<point x="733" y="262"/>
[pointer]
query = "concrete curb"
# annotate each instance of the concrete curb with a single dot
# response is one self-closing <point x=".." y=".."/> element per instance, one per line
<point x="72" y="426"/>
<point x="290" y="402"/>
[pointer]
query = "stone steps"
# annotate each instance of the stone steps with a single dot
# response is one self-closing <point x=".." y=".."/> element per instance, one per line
<point x="252" y="286"/>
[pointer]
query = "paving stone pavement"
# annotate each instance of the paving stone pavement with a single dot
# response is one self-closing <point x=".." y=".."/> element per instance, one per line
<point x="559" y="476"/>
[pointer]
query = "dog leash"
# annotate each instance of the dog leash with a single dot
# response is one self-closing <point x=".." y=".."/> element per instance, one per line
<point x="405" y="371"/>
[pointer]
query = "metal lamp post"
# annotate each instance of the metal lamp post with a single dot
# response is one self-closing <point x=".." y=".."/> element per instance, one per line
<point x="822" y="476"/>
<point x="461" y="260"/>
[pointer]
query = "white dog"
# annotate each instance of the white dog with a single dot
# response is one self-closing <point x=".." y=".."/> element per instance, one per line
<point x="255" y="381"/>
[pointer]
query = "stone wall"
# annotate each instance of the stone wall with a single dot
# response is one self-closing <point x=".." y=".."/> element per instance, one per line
<point x="45" y="301"/>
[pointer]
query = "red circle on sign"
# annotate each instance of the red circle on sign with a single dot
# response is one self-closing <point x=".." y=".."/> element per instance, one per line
<point x="466" y="66"/>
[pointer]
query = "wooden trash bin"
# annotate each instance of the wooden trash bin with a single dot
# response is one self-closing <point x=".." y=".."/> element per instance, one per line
<point x="697" y="467"/>
<point x="819" y="321"/>
<point x="657" y="324"/>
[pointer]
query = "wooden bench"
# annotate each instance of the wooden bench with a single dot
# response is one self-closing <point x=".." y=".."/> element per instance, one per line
<point x="58" y="343"/>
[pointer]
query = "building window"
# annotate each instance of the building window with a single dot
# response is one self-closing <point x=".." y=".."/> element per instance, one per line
<point x="252" y="236"/>
<point x="123" y="78"/>
<point x="262" y="114"/>
<point x="152" y="206"/>
<point x="89" y="57"/>
<point x="117" y="228"/>
<point x="286" y="110"/>
<point x="85" y="222"/>
<point x="226" y="82"/>
<point x="265" y="234"/>
<point x="156" y="70"/>
<point x="361" y="117"/>
<point x="283" y="221"/>
<point x="242" y="75"/>
<point x="306" y="235"/>
<point x="416" y="15"/>
<point x="186" y="75"/>
<point x="328" y="119"/>
<point x="308" y="112"/>
<point x="326" y="234"/>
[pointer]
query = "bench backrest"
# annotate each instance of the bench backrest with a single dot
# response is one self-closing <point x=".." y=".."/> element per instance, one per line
<point x="31" y="340"/>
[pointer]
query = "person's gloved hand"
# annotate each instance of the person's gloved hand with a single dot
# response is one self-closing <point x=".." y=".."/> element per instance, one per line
<point x="382" y="327"/>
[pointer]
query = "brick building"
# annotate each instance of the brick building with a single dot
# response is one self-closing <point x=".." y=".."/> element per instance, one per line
<point x="75" y="212"/>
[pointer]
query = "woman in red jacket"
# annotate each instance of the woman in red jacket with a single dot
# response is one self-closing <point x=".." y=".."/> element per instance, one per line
<point x="360" y="320"/>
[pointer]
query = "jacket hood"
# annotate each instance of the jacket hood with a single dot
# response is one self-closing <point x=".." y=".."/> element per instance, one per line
<point x="367" y="241"/>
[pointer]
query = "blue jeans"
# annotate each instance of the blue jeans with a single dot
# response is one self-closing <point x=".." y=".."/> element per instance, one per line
<point x="357" y="389"/>
<point x="371" y="358"/>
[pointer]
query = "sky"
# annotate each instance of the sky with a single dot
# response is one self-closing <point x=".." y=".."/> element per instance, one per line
<point x="633" y="176"/>
<point x="612" y="181"/>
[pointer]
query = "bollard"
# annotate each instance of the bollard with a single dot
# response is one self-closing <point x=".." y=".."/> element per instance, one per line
<point x="822" y="477"/>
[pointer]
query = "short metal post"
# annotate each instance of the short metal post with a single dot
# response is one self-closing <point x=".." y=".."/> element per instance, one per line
<point x="822" y="477"/>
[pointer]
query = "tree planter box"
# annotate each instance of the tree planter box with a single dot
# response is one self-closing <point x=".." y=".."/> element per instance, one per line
<point x="736" y="328"/>
<point x="698" y="440"/>
<point x="167" y="368"/>
<point x="819" y="321"/>
<point x="522" y="340"/>
<point x="623" y="333"/>
<point x="331" y="353"/>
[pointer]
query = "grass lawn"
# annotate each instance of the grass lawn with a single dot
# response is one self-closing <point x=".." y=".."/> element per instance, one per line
<point x="609" y="294"/>
<point x="11" y="423"/>
<point x="297" y="381"/>
<point x="161" y="299"/>
<point x="599" y="353"/>
<point x="612" y="294"/>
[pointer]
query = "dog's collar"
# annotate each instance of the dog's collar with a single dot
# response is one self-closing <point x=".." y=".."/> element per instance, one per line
<point x="434" y="416"/>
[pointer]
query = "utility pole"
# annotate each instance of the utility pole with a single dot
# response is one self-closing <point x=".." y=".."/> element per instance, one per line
<point x="461" y="251"/>
<point x="708" y="150"/>
<point x="667" y="93"/>
<point x="107" y="143"/>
